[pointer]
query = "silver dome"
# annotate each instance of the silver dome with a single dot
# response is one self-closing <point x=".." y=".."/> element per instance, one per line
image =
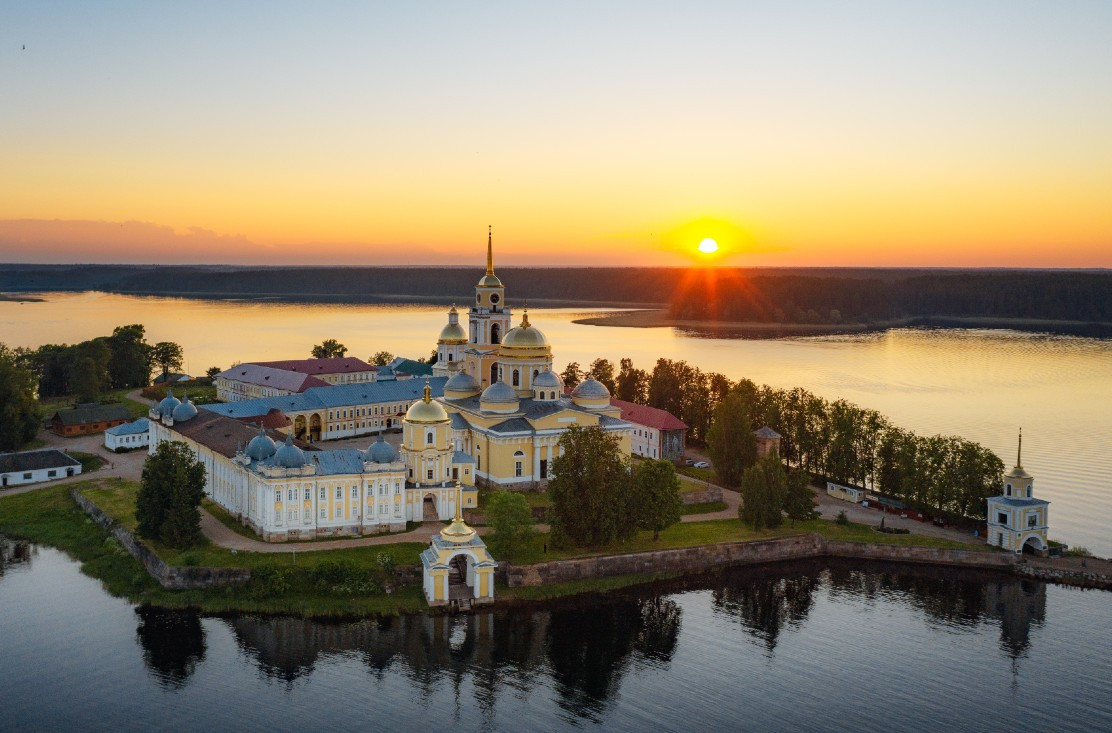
<point x="169" y="402"/>
<point x="499" y="392"/>
<point x="184" y="411"/>
<point x="261" y="447"/>
<point x="548" y="380"/>
<point x="381" y="451"/>
<point x="289" y="455"/>
<point x="591" y="388"/>
<point x="462" y="382"/>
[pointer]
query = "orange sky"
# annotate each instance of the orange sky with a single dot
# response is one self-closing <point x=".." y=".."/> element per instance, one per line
<point x="625" y="134"/>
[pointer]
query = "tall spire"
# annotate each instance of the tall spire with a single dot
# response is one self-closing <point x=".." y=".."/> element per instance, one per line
<point x="490" y="252"/>
<point x="1019" y="452"/>
<point x="459" y="502"/>
<point x="428" y="391"/>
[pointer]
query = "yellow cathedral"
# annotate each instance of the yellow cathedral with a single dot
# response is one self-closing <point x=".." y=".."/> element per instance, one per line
<point x="505" y="405"/>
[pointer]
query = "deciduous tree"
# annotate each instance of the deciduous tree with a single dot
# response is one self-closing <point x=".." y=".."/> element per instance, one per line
<point x="656" y="491"/>
<point x="603" y="371"/>
<point x="173" y="485"/>
<point x="590" y="489"/>
<point x="167" y="356"/>
<point x="763" y="490"/>
<point x="19" y="411"/>
<point x="730" y="442"/>
<point x="799" y="500"/>
<point x="327" y="349"/>
<point x="509" y="515"/>
<point x="571" y="375"/>
<point x="382" y="358"/>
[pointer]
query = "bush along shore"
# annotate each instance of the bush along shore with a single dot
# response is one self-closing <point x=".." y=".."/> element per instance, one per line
<point x="383" y="580"/>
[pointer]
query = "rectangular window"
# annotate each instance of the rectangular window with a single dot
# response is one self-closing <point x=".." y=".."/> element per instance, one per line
<point x="278" y="497"/>
<point x="354" y="492"/>
<point x="339" y="492"/>
<point x="1033" y="520"/>
<point x="308" y="515"/>
<point x="430" y="474"/>
<point x="339" y="512"/>
<point x="323" y="495"/>
<point x="323" y="513"/>
<point x="52" y="472"/>
<point x="292" y="494"/>
<point x="517" y="468"/>
<point x="1001" y="518"/>
<point x="27" y="475"/>
<point x="308" y="495"/>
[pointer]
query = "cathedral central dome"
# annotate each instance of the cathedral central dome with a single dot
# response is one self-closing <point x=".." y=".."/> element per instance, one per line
<point x="525" y="336"/>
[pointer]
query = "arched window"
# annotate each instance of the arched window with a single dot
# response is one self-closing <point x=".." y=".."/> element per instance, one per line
<point x="552" y="395"/>
<point x="493" y="373"/>
<point x="517" y="378"/>
<point x="495" y="333"/>
<point x="535" y="373"/>
<point x="519" y="454"/>
<point x="1008" y="490"/>
<point x="428" y="437"/>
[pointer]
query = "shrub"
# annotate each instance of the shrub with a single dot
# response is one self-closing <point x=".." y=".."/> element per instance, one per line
<point x="842" y="518"/>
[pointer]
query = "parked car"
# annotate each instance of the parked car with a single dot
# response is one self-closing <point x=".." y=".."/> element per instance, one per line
<point x="690" y="462"/>
<point x="700" y="464"/>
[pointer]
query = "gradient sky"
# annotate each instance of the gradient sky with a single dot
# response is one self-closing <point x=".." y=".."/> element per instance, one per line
<point x="796" y="133"/>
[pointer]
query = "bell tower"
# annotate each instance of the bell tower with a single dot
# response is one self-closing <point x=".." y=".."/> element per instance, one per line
<point x="488" y="320"/>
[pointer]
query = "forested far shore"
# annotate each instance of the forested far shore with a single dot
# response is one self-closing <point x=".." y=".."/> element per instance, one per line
<point x="812" y="296"/>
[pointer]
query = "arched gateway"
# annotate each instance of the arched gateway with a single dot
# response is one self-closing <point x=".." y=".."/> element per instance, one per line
<point x="456" y="566"/>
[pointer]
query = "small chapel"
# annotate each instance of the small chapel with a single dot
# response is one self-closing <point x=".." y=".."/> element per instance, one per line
<point x="1017" y="521"/>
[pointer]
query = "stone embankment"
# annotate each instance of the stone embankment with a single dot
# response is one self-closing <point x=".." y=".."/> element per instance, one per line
<point x="168" y="576"/>
<point x="713" y="557"/>
<point x="1066" y="576"/>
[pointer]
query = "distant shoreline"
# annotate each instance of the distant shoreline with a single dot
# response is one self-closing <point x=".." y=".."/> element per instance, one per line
<point x="661" y="318"/>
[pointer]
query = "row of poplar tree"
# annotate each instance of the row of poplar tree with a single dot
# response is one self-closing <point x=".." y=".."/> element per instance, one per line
<point x="835" y="440"/>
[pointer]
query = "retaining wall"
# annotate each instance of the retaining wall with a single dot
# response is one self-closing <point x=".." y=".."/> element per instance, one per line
<point x="712" y="557"/>
<point x="168" y="576"/>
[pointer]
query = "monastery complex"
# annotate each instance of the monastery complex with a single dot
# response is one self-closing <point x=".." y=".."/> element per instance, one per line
<point x="491" y="414"/>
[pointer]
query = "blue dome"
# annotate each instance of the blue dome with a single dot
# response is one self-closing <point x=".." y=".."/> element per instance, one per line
<point x="591" y="388"/>
<point x="261" y="447"/>
<point x="169" y="402"/>
<point x="184" y="411"/>
<point x="381" y="452"/>
<point x="289" y="455"/>
<point x="548" y="380"/>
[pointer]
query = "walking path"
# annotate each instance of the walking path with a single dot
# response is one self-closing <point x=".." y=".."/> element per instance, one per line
<point x="223" y="536"/>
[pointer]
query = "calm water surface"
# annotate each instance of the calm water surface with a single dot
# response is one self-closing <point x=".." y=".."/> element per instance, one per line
<point x="982" y="385"/>
<point x="790" y="647"/>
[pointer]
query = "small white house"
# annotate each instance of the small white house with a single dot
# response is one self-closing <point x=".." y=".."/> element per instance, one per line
<point x="134" y="434"/>
<point x="33" y="466"/>
<point x="845" y="493"/>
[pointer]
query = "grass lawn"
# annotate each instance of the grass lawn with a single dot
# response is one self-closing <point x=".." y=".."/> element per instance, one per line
<point x="201" y="391"/>
<point x="706" y="475"/>
<point x="292" y="583"/>
<point x="137" y="409"/>
<point x="89" y="461"/>
<point x="708" y="508"/>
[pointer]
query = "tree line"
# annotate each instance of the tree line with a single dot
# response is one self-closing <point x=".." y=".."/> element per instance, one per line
<point x="1061" y="296"/>
<point x="91" y="368"/>
<point x="832" y="439"/>
<point x="773" y="295"/>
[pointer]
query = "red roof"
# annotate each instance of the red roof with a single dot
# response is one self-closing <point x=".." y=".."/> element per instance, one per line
<point x="332" y="365"/>
<point x="272" y="420"/>
<point x="648" y="416"/>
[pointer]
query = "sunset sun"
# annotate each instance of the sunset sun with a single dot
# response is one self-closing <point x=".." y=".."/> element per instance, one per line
<point x="708" y="246"/>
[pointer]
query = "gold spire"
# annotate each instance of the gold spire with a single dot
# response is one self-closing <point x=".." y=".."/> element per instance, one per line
<point x="459" y="502"/>
<point x="525" y="315"/>
<point x="1019" y="452"/>
<point x="428" y="391"/>
<point x="490" y="252"/>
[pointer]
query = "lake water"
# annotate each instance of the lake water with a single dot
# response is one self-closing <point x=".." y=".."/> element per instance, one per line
<point x="980" y="384"/>
<point x="793" y="647"/>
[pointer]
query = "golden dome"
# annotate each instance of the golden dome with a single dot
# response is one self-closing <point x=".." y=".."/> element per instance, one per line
<point x="525" y="336"/>
<point x="453" y="333"/>
<point x="426" y="411"/>
<point x="458" y="531"/>
<point x="490" y="281"/>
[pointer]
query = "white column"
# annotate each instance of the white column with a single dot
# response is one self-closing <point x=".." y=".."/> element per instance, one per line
<point x="536" y="461"/>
